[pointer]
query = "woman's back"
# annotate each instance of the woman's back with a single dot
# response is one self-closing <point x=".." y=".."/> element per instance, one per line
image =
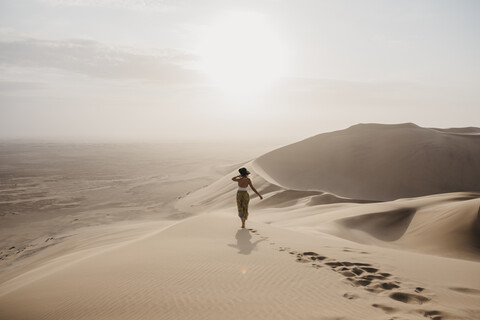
<point x="243" y="182"/>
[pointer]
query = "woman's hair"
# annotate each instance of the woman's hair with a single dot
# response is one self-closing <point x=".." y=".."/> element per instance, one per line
<point x="244" y="172"/>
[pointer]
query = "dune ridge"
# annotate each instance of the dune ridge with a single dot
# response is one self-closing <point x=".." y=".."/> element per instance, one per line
<point x="378" y="162"/>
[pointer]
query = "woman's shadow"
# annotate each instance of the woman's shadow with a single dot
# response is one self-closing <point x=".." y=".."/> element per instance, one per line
<point x="244" y="245"/>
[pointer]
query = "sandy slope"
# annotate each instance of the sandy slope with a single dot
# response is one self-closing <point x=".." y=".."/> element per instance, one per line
<point x="206" y="268"/>
<point x="379" y="162"/>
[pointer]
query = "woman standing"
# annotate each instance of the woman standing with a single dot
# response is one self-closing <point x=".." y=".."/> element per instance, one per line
<point x="242" y="195"/>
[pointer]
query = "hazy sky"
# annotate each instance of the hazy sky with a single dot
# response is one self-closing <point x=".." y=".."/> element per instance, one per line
<point x="262" y="69"/>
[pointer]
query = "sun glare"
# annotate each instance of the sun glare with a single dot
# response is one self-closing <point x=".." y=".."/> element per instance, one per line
<point x="242" y="52"/>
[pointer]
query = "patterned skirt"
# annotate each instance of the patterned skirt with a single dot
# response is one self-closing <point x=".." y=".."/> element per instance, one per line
<point x="242" y="204"/>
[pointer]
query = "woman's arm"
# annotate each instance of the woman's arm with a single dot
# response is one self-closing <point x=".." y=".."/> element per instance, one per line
<point x="236" y="178"/>
<point x="254" y="190"/>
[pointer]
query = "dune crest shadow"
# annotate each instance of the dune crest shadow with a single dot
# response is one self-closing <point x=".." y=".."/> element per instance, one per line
<point x="385" y="226"/>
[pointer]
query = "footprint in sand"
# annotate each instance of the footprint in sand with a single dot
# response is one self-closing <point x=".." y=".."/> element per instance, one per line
<point x="364" y="275"/>
<point x="314" y="256"/>
<point x="302" y="259"/>
<point x="308" y="256"/>
<point x="409" y="298"/>
<point x="384" y="308"/>
<point x="433" y="315"/>
<point x="255" y="232"/>
<point x="350" y="296"/>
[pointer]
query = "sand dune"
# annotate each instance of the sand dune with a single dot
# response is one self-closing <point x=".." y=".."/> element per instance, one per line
<point x="378" y="162"/>
<point x="317" y="247"/>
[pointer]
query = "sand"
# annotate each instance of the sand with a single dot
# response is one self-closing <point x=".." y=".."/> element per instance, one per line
<point x="379" y="162"/>
<point x="307" y="253"/>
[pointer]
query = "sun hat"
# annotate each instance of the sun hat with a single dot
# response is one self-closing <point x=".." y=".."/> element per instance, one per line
<point x="243" y="171"/>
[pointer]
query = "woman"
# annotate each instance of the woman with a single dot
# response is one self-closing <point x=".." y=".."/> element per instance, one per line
<point x="242" y="195"/>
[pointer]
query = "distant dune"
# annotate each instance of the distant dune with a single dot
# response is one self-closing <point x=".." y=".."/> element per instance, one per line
<point x="379" y="162"/>
<point x="467" y="130"/>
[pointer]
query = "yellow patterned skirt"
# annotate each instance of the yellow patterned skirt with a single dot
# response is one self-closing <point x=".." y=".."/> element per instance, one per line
<point x="242" y="204"/>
